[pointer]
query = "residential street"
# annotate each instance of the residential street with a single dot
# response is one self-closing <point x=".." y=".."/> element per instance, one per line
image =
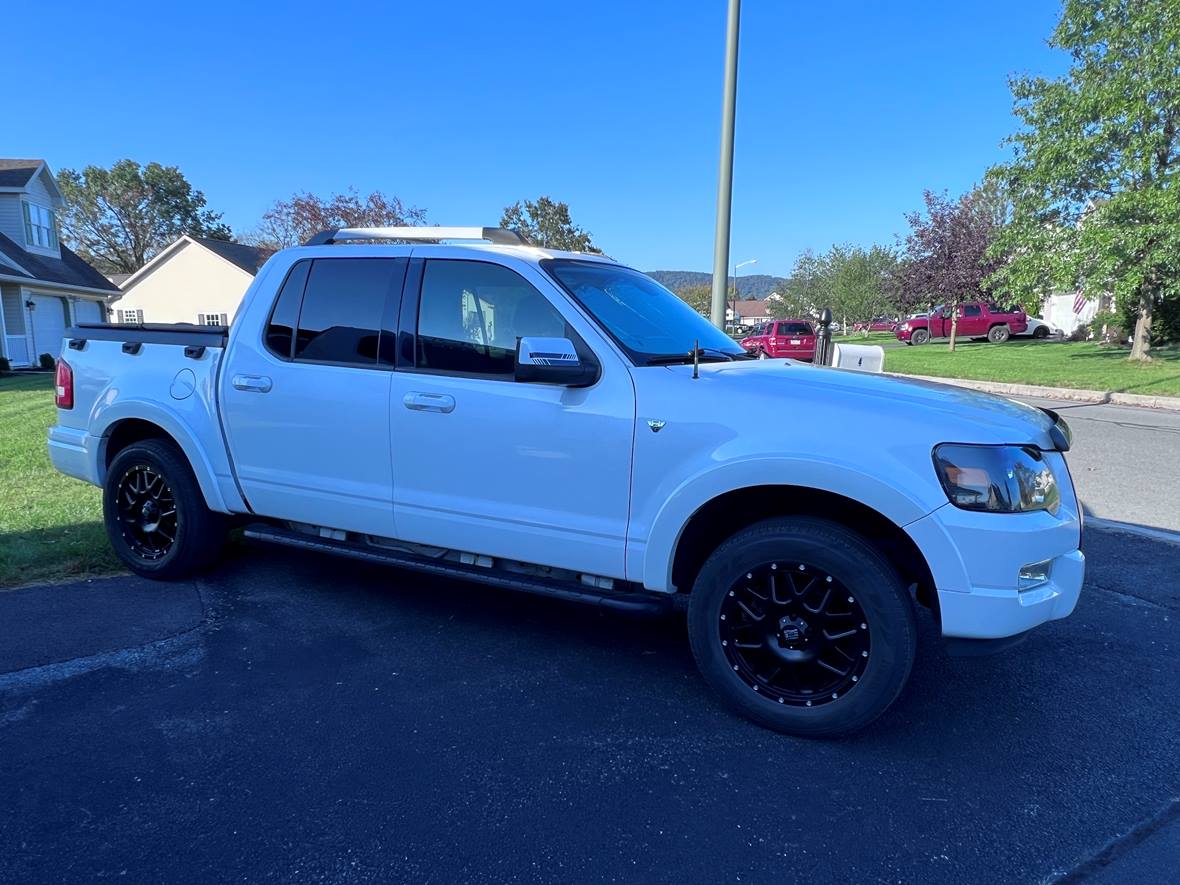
<point x="298" y="718"/>
<point x="1125" y="461"/>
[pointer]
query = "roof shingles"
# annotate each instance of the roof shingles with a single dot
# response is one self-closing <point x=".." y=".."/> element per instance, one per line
<point x="69" y="270"/>
<point x="16" y="173"/>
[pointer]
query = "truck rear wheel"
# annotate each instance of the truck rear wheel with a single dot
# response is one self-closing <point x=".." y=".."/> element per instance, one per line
<point x="155" y="513"/>
<point x="919" y="336"/>
<point x="802" y="626"/>
<point x="998" y="334"/>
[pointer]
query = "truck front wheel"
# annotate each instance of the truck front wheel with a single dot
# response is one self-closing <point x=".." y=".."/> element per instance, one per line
<point x="802" y="626"/>
<point x="919" y="336"/>
<point x="155" y="514"/>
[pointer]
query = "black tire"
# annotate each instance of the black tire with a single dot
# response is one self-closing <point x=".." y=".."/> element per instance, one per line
<point x="1041" y="332"/>
<point x="998" y="334"/>
<point x="920" y="336"/>
<point x="151" y="494"/>
<point x="839" y="560"/>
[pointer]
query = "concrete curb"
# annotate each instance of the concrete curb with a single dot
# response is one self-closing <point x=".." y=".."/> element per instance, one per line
<point x="1168" y="403"/>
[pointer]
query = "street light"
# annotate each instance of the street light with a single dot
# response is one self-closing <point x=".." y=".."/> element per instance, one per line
<point x="725" y="174"/>
<point x="735" y="288"/>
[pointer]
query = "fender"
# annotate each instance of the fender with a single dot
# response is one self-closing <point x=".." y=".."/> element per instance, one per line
<point x="897" y="501"/>
<point x="207" y="457"/>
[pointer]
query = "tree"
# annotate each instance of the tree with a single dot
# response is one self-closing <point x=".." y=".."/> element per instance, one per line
<point x="698" y="297"/>
<point x="857" y="282"/>
<point x="807" y="290"/>
<point x="119" y="218"/>
<point x="547" y="223"/>
<point x="947" y="249"/>
<point x="1095" y="178"/>
<point x="294" y="221"/>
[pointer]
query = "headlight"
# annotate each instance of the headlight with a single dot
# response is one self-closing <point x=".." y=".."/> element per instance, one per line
<point x="905" y="327"/>
<point x="997" y="479"/>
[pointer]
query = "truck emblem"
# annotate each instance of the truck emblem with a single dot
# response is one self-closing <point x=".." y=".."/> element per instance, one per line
<point x="656" y="425"/>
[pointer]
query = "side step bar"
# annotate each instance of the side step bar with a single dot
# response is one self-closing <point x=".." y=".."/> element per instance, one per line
<point x="634" y="603"/>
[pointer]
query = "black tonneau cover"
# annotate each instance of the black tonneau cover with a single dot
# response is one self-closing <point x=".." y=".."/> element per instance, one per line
<point x="151" y="333"/>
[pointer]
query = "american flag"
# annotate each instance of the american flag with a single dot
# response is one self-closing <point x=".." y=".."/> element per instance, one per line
<point x="1079" y="302"/>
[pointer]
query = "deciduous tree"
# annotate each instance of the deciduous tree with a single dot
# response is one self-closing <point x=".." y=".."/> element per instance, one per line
<point x="947" y="257"/>
<point x="547" y="223"/>
<point x="118" y="218"/>
<point x="1095" y="179"/>
<point x="293" y="221"/>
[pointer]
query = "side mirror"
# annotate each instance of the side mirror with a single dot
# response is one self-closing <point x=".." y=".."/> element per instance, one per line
<point x="553" y="361"/>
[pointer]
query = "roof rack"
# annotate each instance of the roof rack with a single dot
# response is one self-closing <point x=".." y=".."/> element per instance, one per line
<point x="499" y="235"/>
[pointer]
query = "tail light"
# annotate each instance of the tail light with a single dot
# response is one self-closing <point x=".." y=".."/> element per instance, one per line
<point x="63" y="383"/>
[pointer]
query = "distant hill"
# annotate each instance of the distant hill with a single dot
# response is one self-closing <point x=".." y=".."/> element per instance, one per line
<point x="757" y="285"/>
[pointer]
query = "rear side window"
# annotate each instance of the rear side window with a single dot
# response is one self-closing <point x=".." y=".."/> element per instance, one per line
<point x="470" y="314"/>
<point x="280" y="330"/>
<point x="971" y="310"/>
<point x="794" y="329"/>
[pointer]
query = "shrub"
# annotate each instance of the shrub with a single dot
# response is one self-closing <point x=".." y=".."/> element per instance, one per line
<point x="47" y="362"/>
<point x="5" y="365"/>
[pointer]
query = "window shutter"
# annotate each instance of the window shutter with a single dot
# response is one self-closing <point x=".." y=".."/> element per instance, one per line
<point x="28" y="224"/>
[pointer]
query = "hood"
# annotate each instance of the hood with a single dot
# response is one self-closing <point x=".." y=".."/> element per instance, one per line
<point x="952" y="414"/>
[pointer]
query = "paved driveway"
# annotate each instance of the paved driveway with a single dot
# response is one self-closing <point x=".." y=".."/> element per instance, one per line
<point x="294" y="718"/>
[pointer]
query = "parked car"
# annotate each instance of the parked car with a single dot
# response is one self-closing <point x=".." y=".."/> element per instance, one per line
<point x="977" y="319"/>
<point x="881" y="324"/>
<point x="793" y="339"/>
<point x="559" y="424"/>
<point x="1038" y="329"/>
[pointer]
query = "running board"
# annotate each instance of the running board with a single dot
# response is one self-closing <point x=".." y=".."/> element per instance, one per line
<point x="635" y="603"/>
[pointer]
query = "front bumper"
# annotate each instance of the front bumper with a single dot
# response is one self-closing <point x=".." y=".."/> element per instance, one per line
<point x="903" y="334"/>
<point x="975" y="559"/>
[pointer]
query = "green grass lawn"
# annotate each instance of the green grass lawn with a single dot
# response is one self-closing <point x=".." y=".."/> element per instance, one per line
<point x="50" y="525"/>
<point x="1084" y="365"/>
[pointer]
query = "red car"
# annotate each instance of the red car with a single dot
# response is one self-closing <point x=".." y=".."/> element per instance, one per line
<point x="794" y="339"/>
<point x="881" y="324"/>
<point x="977" y="319"/>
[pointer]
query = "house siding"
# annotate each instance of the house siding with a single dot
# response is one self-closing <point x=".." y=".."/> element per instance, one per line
<point x="12" y="223"/>
<point x="189" y="282"/>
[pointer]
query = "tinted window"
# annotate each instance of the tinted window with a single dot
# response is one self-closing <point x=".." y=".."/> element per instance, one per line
<point x="643" y="317"/>
<point x="794" y="329"/>
<point x="340" y="320"/>
<point x="971" y="310"/>
<point x="471" y="314"/>
<point x="286" y="310"/>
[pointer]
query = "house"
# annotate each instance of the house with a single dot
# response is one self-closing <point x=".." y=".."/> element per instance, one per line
<point x="750" y="312"/>
<point x="195" y="280"/>
<point x="44" y="287"/>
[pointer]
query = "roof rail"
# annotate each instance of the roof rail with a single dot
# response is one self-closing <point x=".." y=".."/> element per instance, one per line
<point x="499" y="235"/>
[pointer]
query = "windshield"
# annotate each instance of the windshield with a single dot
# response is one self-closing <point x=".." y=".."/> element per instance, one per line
<point x="643" y="317"/>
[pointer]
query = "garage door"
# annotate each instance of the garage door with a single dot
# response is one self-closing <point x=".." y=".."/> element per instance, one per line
<point x="87" y="312"/>
<point x="49" y="325"/>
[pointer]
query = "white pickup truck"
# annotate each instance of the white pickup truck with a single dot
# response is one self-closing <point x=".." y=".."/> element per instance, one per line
<point x="455" y="401"/>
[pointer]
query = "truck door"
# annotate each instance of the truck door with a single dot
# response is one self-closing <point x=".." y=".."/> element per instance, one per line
<point x="972" y="321"/>
<point x="538" y="473"/>
<point x="305" y="396"/>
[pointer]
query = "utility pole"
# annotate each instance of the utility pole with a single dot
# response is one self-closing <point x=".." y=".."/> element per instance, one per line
<point x="725" y="174"/>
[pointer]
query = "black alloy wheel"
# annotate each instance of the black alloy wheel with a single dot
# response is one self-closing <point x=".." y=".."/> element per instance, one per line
<point x="155" y="513"/>
<point x="794" y="634"/>
<point x="802" y="625"/>
<point x="147" y="512"/>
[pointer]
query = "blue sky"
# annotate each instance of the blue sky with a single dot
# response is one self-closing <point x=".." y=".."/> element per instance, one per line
<point x="846" y="111"/>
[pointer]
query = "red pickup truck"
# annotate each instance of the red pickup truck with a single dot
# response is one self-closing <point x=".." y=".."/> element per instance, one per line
<point x="977" y="319"/>
<point x="794" y="339"/>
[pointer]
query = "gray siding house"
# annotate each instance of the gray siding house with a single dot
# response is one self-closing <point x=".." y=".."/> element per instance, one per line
<point x="44" y="287"/>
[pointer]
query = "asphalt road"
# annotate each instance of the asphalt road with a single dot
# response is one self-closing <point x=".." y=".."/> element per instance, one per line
<point x="293" y="718"/>
<point x="1125" y="461"/>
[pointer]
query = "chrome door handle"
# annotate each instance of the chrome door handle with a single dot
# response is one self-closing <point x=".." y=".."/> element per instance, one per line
<point x="252" y="383"/>
<point x="429" y="402"/>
